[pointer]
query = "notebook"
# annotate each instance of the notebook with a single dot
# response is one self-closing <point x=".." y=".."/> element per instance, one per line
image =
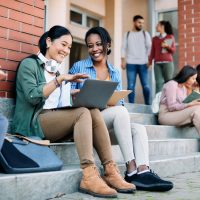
<point x="117" y="96"/>
<point x="94" y="94"/>
<point x="169" y="42"/>
<point x="193" y="96"/>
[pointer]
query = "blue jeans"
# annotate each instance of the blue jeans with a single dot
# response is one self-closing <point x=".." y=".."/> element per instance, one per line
<point x="131" y="71"/>
<point x="3" y="128"/>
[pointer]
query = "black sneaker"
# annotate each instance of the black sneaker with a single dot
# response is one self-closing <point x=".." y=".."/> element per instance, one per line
<point x="149" y="181"/>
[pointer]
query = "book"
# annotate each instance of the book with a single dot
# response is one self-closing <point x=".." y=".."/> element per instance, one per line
<point x="169" y="43"/>
<point x="117" y="96"/>
<point x="191" y="97"/>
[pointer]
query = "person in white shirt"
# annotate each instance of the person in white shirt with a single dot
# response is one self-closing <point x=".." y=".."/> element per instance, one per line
<point x="136" y="47"/>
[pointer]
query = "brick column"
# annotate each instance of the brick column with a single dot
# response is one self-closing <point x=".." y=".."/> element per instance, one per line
<point x="21" y="25"/>
<point x="189" y="32"/>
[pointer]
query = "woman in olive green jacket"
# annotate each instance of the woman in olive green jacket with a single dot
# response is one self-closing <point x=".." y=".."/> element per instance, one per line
<point x="41" y="90"/>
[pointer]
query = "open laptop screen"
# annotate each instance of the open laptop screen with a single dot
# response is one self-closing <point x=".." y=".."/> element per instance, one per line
<point x="95" y="94"/>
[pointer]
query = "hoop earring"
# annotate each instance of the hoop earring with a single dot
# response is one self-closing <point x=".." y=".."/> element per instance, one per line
<point x="108" y="50"/>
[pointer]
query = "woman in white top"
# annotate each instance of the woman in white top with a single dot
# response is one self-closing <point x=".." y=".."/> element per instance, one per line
<point x="39" y="90"/>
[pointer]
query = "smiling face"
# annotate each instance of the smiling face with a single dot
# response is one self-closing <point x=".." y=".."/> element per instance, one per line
<point x="59" y="48"/>
<point x="95" y="48"/>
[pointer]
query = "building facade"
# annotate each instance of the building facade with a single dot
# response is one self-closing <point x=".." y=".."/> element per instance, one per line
<point x="23" y="21"/>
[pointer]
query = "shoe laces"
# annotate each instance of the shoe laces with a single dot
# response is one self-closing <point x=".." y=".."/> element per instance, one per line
<point x="114" y="167"/>
<point x="151" y="171"/>
<point x="96" y="172"/>
<point x="96" y="175"/>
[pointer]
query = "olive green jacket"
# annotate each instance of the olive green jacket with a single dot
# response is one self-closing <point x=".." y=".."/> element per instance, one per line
<point x="30" y="81"/>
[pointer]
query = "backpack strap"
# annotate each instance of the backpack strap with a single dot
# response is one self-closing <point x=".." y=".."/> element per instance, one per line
<point x="127" y="35"/>
<point x="143" y="34"/>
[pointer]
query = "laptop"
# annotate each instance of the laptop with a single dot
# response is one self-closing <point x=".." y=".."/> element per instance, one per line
<point x="94" y="94"/>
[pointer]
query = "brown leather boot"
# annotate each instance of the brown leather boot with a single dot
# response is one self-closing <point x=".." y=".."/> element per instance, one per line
<point x="93" y="184"/>
<point x="114" y="179"/>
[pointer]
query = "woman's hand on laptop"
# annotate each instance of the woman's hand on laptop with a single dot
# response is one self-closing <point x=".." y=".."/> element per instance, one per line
<point x="74" y="92"/>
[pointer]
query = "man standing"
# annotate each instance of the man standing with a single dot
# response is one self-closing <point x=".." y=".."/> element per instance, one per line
<point x="136" y="47"/>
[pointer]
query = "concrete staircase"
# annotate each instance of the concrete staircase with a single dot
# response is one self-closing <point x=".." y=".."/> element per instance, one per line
<point x="172" y="151"/>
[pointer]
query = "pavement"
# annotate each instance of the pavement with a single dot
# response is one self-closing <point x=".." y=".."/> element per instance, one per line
<point x="186" y="187"/>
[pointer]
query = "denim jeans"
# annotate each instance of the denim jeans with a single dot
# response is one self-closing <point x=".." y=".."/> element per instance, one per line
<point x="3" y="128"/>
<point x="132" y="70"/>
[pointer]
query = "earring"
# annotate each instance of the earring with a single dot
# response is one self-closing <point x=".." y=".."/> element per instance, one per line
<point x="108" y="50"/>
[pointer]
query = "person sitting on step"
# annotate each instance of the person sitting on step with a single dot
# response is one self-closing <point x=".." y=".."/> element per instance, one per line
<point x="172" y="109"/>
<point x="196" y="85"/>
<point x="39" y="91"/>
<point x="134" y="145"/>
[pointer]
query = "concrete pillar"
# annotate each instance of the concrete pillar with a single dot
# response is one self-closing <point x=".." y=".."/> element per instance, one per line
<point x="151" y="24"/>
<point x="57" y="13"/>
<point x="113" y="23"/>
<point x="117" y="32"/>
<point x="151" y="19"/>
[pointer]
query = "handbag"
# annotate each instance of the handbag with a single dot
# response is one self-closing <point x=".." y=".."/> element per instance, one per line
<point x="21" y="154"/>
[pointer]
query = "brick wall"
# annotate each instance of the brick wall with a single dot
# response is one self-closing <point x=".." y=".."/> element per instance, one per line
<point x="21" y="24"/>
<point x="189" y="32"/>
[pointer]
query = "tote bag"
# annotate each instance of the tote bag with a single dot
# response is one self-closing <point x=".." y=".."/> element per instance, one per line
<point x="27" y="154"/>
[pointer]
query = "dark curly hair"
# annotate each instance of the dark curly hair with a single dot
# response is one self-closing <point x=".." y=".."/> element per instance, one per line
<point x="103" y="34"/>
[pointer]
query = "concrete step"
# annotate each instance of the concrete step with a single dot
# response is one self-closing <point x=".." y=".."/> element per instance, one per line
<point x="144" y="118"/>
<point x="67" y="151"/>
<point x="138" y="108"/>
<point x="162" y="148"/>
<point x="34" y="186"/>
<point x="7" y="106"/>
<point x="166" y="166"/>
<point x="173" y="147"/>
<point x="169" y="166"/>
<point x="162" y="132"/>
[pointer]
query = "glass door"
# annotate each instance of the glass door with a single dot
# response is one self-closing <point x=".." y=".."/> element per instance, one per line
<point x="172" y="17"/>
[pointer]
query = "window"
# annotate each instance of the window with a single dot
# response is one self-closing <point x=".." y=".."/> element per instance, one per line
<point x="76" y="17"/>
<point x="82" y="18"/>
<point x="91" y="22"/>
<point x="78" y="52"/>
<point x="172" y="17"/>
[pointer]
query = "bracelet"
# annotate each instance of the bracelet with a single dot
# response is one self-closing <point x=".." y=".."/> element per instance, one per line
<point x="55" y="80"/>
